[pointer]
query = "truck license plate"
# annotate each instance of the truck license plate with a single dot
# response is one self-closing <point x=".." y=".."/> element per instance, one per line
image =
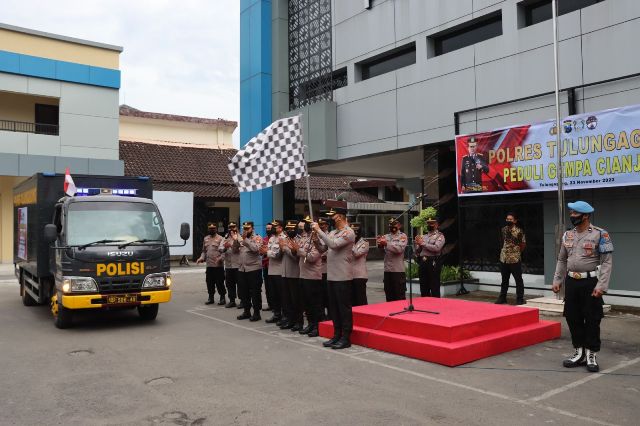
<point x="118" y="299"/>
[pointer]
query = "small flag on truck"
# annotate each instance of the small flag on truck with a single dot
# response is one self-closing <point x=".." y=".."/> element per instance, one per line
<point x="69" y="186"/>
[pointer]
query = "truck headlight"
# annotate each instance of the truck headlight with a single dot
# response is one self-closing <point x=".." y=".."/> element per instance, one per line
<point x="79" y="285"/>
<point x="162" y="279"/>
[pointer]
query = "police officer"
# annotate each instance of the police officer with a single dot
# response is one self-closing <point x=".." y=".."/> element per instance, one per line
<point x="324" y="225"/>
<point x="249" y="272"/>
<point x="292" y="301"/>
<point x="310" y="261"/>
<point x="429" y="250"/>
<point x="473" y="165"/>
<point x="395" y="279"/>
<point x="274" y="253"/>
<point x="339" y="276"/>
<point x="360" y="277"/>
<point x="214" y="261"/>
<point x="268" y="286"/>
<point x="584" y="266"/>
<point x="231" y="263"/>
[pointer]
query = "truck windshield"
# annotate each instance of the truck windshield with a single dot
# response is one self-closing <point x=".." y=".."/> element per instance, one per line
<point x="92" y="221"/>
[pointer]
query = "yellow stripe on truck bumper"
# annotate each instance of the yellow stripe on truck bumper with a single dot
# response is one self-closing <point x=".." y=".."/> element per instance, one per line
<point x="92" y="301"/>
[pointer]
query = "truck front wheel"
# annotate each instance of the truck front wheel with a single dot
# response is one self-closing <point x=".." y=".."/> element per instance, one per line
<point x="62" y="317"/>
<point x="148" y="312"/>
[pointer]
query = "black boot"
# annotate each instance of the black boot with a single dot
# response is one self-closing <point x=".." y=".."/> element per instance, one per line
<point x="520" y="302"/>
<point x="210" y="301"/>
<point x="307" y="329"/>
<point x="579" y="357"/>
<point x="256" y="316"/>
<point x="314" y="331"/>
<point x="502" y="299"/>
<point x="281" y="321"/>
<point x="296" y="327"/>
<point x="286" y="325"/>
<point x="231" y="304"/>
<point x="222" y="301"/>
<point x="273" y="320"/>
<point x="245" y="315"/>
<point x="592" y="363"/>
<point x="331" y="341"/>
<point x="343" y="343"/>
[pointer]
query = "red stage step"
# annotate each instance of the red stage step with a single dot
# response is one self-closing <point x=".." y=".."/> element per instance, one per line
<point x="462" y="332"/>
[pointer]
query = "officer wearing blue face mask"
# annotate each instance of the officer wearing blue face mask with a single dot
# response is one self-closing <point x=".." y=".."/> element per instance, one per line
<point x="584" y="267"/>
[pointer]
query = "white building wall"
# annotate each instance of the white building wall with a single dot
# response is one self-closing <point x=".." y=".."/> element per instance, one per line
<point x="415" y="105"/>
<point x="88" y="120"/>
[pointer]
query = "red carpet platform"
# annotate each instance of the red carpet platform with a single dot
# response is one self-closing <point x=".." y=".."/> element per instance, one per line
<point x="463" y="331"/>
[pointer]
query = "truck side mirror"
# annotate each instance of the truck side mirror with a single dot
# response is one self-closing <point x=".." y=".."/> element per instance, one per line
<point x="185" y="231"/>
<point x="50" y="233"/>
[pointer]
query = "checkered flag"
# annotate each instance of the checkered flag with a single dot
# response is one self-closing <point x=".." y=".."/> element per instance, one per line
<point x="275" y="156"/>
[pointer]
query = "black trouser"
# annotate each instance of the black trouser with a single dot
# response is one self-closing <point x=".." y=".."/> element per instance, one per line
<point x="359" y="292"/>
<point x="276" y="283"/>
<point x="506" y="270"/>
<point x="296" y="307"/>
<point x="285" y="299"/>
<point x="395" y="285"/>
<point x="312" y="290"/>
<point x="583" y="312"/>
<point x="325" y="296"/>
<point x="231" y="280"/>
<point x="250" y="290"/>
<point x="268" y="287"/>
<point x="340" y="308"/>
<point x="429" y="276"/>
<point x="215" y="279"/>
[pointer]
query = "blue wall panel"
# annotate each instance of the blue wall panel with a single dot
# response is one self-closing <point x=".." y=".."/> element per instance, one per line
<point x="9" y="62"/>
<point x="37" y="67"/>
<point x="104" y="77"/>
<point x="255" y="97"/>
<point x="67" y="71"/>
<point x="34" y="66"/>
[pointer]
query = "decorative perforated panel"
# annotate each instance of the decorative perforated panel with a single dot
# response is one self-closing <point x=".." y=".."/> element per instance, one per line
<point x="310" y="66"/>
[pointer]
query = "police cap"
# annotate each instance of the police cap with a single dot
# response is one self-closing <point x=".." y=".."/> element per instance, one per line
<point x="292" y="224"/>
<point x="581" y="207"/>
<point x="337" y="210"/>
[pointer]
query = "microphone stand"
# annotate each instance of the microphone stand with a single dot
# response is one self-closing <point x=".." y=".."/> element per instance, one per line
<point x="410" y="308"/>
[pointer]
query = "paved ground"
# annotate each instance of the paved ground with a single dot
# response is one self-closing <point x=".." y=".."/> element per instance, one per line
<point x="199" y="365"/>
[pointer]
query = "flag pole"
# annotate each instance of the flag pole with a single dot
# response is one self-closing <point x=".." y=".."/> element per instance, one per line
<point x="559" y="172"/>
<point x="307" y="180"/>
<point x="306" y="163"/>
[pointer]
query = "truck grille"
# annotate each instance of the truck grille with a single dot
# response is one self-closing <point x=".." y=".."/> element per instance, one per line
<point x="119" y="285"/>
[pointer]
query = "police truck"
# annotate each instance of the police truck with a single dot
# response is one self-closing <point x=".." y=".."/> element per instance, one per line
<point x="104" y="247"/>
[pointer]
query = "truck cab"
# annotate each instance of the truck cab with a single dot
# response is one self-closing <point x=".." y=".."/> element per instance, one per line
<point x="113" y="253"/>
<point x="100" y="249"/>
